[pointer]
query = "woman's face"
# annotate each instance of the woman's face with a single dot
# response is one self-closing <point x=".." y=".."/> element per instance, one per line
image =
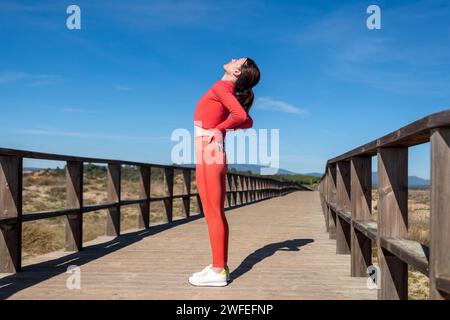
<point x="234" y="66"/>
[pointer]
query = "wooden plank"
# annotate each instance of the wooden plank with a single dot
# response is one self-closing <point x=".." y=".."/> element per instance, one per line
<point x="392" y="219"/>
<point x="343" y="204"/>
<point x="47" y="214"/>
<point x="133" y="201"/>
<point x="61" y="157"/>
<point x="74" y="200"/>
<point x="367" y="228"/>
<point x="344" y="215"/>
<point x="440" y="204"/>
<point x="155" y="264"/>
<point x="113" y="195"/>
<point x="144" y="193"/>
<point x="361" y="206"/>
<point x="101" y="206"/>
<point x="411" y="252"/>
<point x="11" y="168"/>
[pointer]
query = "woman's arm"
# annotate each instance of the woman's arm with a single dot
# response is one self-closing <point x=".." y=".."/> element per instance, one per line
<point x="237" y="114"/>
<point x="248" y="123"/>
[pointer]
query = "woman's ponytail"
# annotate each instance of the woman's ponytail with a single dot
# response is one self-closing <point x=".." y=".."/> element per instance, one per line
<point x="248" y="78"/>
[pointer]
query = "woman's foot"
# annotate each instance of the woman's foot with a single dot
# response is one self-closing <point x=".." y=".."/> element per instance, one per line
<point x="227" y="270"/>
<point x="209" y="277"/>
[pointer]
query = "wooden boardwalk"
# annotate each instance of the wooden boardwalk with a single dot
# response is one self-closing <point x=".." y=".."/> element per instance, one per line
<point x="279" y="249"/>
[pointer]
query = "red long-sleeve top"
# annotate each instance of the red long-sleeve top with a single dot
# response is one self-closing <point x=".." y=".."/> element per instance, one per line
<point x="219" y="108"/>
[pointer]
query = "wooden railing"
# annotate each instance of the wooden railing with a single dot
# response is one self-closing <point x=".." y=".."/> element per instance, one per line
<point x="241" y="189"/>
<point x="346" y="195"/>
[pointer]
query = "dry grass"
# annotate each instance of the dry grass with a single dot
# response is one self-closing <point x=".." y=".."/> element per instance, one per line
<point x="418" y="230"/>
<point x="45" y="190"/>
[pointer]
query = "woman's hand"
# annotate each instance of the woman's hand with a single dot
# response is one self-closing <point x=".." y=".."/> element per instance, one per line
<point x="217" y="135"/>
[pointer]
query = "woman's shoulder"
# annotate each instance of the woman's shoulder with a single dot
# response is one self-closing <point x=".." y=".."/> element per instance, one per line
<point x="223" y="85"/>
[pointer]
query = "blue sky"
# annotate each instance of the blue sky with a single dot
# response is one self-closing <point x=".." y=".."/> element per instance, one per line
<point x="118" y="87"/>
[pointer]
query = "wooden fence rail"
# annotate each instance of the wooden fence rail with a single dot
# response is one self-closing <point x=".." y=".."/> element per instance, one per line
<point x="241" y="189"/>
<point x="346" y="196"/>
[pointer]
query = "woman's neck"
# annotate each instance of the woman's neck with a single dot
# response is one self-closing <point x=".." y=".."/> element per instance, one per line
<point x="228" y="77"/>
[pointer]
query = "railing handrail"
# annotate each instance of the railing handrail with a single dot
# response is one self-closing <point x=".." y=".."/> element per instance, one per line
<point x="242" y="189"/>
<point x="346" y="197"/>
<point x="63" y="157"/>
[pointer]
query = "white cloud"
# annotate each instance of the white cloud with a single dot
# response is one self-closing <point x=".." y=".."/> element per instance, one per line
<point x="122" y="88"/>
<point x="268" y="103"/>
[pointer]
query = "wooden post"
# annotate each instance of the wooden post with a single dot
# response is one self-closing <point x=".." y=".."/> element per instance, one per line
<point x="440" y="209"/>
<point x="252" y="189"/>
<point x="168" y="203"/>
<point x="74" y="199"/>
<point x="236" y="189"/>
<point x="113" y="189"/>
<point x="260" y="188"/>
<point x="331" y="172"/>
<point x="343" y="203"/>
<point x="239" y="187"/>
<point x="228" y="189"/>
<point x="361" y="199"/>
<point x="392" y="219"/>
<point x="200" y="205"/>
<point x="249" y="189"/>
<point x="11" y="208"/>
<point x="144" y="193"/>
<point x="244" y="189"/>
<point x="187" y="192"/>
<point x="326" y="208"/>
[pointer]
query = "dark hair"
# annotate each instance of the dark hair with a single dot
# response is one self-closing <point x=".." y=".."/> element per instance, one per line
<point x="248" y="78"/>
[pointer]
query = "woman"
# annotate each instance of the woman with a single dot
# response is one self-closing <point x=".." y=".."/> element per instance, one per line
<point x="224" y="106"/>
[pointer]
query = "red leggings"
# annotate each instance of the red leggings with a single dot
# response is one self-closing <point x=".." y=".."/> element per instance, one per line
<point x="210" y="173"/>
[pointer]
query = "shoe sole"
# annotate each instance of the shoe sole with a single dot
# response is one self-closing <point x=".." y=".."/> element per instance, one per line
<point x="228" y="277"/>
<point x="208" y="284"/>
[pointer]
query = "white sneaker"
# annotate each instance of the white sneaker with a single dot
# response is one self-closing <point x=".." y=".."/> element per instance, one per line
<point x="208" y="277"/>
<point x="196" y="274"/>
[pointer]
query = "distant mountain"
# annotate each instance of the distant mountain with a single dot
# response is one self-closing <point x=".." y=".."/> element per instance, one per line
<point x="313" y="174"/>
<point x="413" y="181"/>
<point x="253" y="168"/>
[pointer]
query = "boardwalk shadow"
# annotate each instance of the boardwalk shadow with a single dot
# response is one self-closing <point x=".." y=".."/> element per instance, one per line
<point x="265" y="252"/>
